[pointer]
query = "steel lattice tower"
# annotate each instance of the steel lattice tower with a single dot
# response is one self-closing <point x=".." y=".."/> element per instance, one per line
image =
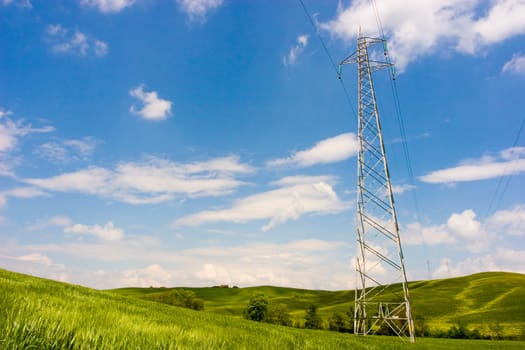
<point x="379" y="261"/>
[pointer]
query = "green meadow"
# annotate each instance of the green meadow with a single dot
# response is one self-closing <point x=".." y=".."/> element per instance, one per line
<point x="479" y="301"/>
<point x="37" y="313"/>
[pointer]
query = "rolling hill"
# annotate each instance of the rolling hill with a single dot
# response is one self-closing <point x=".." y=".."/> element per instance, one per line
<point x="477" y="301"/>
<point x="44" y="314"/>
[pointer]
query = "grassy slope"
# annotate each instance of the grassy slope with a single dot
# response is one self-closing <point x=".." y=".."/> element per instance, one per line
<point x="42" y="314"/>
<point x="478" y="300"/>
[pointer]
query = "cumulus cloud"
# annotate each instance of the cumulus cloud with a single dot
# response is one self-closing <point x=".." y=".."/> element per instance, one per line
<point x="330" y="150"/>
<point x="508" y="162"/>
<point x="106" y="232"/>
<point x="294" y="198"/>
<point x="66" y="41"/>
<point x="296" y="50"/>
<point x="289" y="263"/>
<point x="151" y="181"/>
<point x="420" y="28"/>
<point x="198" y="9"/>
<point x="516" y="65"/>
<point x="108" y="6"/>
<point x="67" y="150"/>
<point x="465" y="229"/>
<point x="153" y="107"/>
<point x="501" y="259"/>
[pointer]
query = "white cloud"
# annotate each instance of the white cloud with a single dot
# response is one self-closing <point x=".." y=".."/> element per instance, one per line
<point x="296" y="50"/>
<point x="289" y="202"/>
<point x="516" y="65"/>
<point x="197" y="9"/>
<point x="418" y="28"/>
<point x="291" y="263"/>
<point x="108" y="6"/>
<point x="511" y="222"/>
<point x="66" y="41"/>
<point x="18" y="3"/>
<point x="330" y="150"/>
<point x="507" y="162"/>
<point x="36" y="258"/>
<point x="464" y="230"/>
<point x="399" y="189"/>
<point x="101" y="48"/>
<point x="11" y="131"/>
<point x="501" y="259"/>
<point x="153" y="107"/>
<point x="67" y="150"/>
<point x="107" y="232"/>
<point x="152" y="181"/>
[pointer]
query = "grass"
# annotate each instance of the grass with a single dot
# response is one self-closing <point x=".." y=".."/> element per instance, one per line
<point x="478" y="301"/>
<point x="41" y="314"/>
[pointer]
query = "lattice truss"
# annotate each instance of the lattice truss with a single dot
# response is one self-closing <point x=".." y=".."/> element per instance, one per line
<point x="380" y="308"/>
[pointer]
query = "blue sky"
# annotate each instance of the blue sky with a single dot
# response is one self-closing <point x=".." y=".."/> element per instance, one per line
<point x="203" y="142"/>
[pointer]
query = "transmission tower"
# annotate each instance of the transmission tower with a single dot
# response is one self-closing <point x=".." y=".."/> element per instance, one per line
<point x="380" y="307"/>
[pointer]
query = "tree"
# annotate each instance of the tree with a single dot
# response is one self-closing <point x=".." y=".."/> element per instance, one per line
<point x="312" y="320"/>
<point x="278" y="314"/>
<point x="257" y="308"/>
<point x="178" y="297"/>
<point x="341" y="322"/>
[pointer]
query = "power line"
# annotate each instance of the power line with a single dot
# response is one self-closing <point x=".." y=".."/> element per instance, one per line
<point x="334" y="66"/>
<point x="500" y="180"/>
<point x="402" y="129"/>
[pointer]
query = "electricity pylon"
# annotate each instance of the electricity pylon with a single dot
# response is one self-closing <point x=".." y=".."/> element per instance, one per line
<point x="380" y="308"/>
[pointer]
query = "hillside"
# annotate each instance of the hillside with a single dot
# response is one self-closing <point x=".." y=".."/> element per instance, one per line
<point x="43" y="314"/>
<point x="478" y="301"/>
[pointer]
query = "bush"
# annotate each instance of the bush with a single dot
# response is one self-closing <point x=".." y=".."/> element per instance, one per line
<point x="278" y="314"/>
<point x="257" y="308"/>
<point x="178" y="297"/>
<point x="341" y="322"/>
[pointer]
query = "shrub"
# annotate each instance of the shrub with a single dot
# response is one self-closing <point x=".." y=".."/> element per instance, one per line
<point x="257" y="308"/>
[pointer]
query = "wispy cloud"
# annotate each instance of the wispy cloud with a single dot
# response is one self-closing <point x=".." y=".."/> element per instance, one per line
<point x="508" y="162"/>
<point x="18" y="3"/>
<point x="419" y="28"/>
<point x="106" y="232"/>
<point x="153" y="107"/>
<point x="295" y="197"/>
<point x="152" y="181"/>
<point x="10" y="133"/>
<point x="516" y="65"/>
<point x="67" y="150"/>
<point x="330" y="150"/>
<point x="296" y="50"/>
<point x="66" y="41"/>
<point x="108" y="6"/>
<point x="20" y="192"/>
<point x="198" y="9"/>
<point x="399" y="189"/>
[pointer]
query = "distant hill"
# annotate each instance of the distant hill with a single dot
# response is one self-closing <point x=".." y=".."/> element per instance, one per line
<point x="36" y="313"/>
<point x="478" y="301"/>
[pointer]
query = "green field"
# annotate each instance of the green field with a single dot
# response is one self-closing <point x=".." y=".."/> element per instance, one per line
<point x="41" y="314"/>
<point x="477" y="301"/>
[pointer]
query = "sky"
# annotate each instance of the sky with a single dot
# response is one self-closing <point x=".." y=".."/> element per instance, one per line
<point x="204" y="142"/>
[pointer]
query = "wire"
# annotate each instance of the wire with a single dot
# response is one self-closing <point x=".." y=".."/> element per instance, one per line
<point x="402" y="129"/>
<point x="500" y="181"/>
<point x="334" y="66"/>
